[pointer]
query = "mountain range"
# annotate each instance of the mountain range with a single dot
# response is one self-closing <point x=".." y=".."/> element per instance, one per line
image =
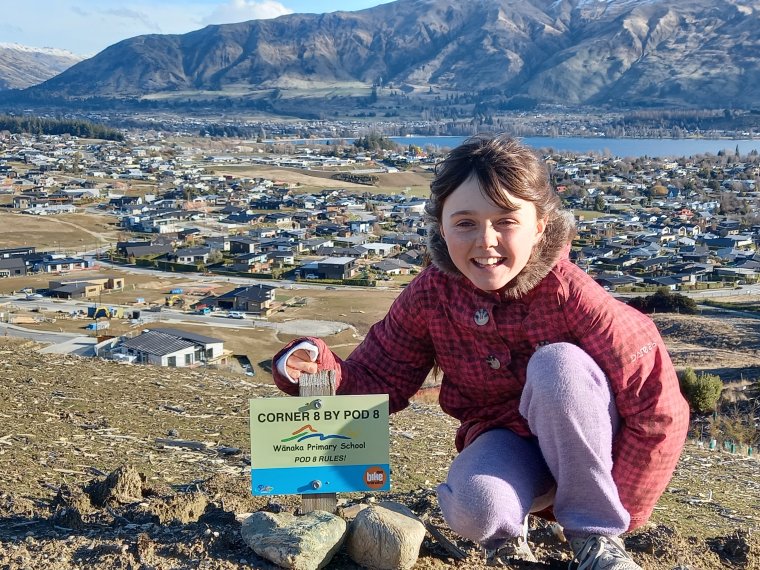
<point x="22" y="66"/>
<point x="700" y="53"/>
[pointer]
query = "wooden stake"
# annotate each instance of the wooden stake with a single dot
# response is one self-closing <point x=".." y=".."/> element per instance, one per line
<point x="320" y="384"/>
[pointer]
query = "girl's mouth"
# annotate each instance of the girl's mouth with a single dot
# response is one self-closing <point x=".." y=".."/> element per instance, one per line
<point x="488" y="262"/>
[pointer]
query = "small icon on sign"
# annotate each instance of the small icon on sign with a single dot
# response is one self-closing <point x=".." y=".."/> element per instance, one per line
<point x="264" y="488"/>
<point x="375" y="477"/>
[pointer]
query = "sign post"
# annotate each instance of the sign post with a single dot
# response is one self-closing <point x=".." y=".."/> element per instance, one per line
<point x="318" y="445"/>
<point x="319" y="384"/>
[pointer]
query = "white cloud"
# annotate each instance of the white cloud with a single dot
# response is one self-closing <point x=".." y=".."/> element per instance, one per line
<point x="134" y="17"/>
<point x="244" y="10"/>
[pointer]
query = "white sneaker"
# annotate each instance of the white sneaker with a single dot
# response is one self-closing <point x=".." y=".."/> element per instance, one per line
<point x="596" y="552"/>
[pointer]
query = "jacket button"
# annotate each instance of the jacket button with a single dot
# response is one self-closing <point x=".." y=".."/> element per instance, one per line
<point x="481" y="317"/>
<point x="493" y="362"/>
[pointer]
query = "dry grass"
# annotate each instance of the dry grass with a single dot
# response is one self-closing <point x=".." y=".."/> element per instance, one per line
<point x="414" y="183"/>
<point x="65" y="232"/>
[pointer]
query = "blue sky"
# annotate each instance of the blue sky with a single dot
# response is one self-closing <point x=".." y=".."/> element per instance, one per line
<point x="86" y="27"/>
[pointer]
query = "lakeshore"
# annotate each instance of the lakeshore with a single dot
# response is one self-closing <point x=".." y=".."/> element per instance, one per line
<point x="605" y="146"/>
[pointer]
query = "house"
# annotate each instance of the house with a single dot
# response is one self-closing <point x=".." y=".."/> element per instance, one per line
<point x="312" y="244"/>
<point x="84" y="288"/>
<point x="355" y="252"/>
<point x="57" y="264"/>
<point x="670" y="281"/>
<point x="413" y="257"/>
<point x="74" y="290"/>
<point x="729" y="241"/>
<point x="329" y="268"/>
<point x="164" y="347"/>
<point x="25" y="201"/>
<point x="337" y="267"/>
<point x="243" y="245"/>
<point x="331" y="230"/>
<point x="256" y="299"/>
<point x="190" y="255"/>
<point x="189" y="235"/>
<point x="404" y="240"/>
<point x="242" y="218"/>
<point x="17" y="251"/>
<point x="281" y="258"/>
<point x="380" y="249"/>
<point x="218" y="243"/>
<point x="747" y="274"/>
<point x="149" y="250"/>
<point x="697" y="254"/>
<point x="361" y="226"/>
<point x="12" y="267"/>
<point x="251" y="262"/>
<point x="280" y="219"/>
<point x="612" y="282"/>
<point x="392" y="267"/>
<point x="125" y="202"/>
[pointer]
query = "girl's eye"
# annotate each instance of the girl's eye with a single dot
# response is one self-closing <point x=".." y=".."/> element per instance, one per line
<point x="464" y="224"/>
<point x="506" y="222"/>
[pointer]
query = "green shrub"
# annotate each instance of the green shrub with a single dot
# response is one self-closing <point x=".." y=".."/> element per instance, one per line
<point x="701" y="391"/>
<point x="665" y="301"/>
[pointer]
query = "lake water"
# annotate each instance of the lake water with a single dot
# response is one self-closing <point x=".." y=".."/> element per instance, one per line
<point x="614" y="147"/>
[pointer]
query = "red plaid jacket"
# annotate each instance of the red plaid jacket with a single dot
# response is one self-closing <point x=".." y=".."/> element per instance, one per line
<point x="443" y="318"/>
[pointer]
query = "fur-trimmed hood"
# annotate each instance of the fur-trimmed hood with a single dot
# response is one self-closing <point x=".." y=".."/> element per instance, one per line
<point x="558" y="234"/>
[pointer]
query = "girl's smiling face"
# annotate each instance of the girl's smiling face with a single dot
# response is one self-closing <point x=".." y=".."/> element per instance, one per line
<point x="488" y="244"/>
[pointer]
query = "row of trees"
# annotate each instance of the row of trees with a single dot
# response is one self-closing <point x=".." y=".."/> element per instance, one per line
<point x="73" y="127"/>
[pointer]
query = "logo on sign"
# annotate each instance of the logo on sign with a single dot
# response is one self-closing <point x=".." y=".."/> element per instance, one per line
<point x="375" y="477"/>
<point x="308" y="432"/>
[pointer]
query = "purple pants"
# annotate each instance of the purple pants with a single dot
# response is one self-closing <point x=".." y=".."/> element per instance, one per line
<point x="500" y="477"/>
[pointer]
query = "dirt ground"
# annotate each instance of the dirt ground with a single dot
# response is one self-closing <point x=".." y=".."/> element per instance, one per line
<point x="96" y="475"/>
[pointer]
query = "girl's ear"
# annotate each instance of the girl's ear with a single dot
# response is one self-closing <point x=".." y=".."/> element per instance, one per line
<point x="540" y="229"/>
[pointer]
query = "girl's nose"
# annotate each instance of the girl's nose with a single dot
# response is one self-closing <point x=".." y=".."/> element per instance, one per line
<point x="488" y="236"/>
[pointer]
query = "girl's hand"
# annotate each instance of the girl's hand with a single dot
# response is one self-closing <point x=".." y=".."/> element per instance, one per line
<point x="300" y="362"/>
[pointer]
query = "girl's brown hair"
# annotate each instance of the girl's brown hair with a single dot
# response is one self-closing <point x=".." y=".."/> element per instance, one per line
<point x="500" y="164"/>
<point x="503" y="167"/>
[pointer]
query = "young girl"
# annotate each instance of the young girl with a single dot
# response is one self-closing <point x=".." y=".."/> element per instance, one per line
<point x="567" y="398"/>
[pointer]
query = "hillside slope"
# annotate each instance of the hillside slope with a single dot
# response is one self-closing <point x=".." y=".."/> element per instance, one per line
<point x="22" y="66"/>
<point x="69" y="421"/>
<point x="617" y="52"/>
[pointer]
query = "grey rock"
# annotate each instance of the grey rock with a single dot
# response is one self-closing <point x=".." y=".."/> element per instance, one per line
<point x="386" y="536"/>
<point x="349" y="513"/>
<point x="306" y="542"/>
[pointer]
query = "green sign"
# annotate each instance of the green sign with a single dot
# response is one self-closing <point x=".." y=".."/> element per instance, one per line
<point x="319" y="444"/>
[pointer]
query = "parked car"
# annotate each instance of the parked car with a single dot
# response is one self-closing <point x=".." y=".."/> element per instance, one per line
<point x="236" y="315"/>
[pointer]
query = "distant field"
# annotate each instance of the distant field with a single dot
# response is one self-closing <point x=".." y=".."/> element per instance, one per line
<point x="309" y="180"/>
<point x="589" y="214"/>
<point x="70" y="232"/>
<point x="286" y="175"/>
